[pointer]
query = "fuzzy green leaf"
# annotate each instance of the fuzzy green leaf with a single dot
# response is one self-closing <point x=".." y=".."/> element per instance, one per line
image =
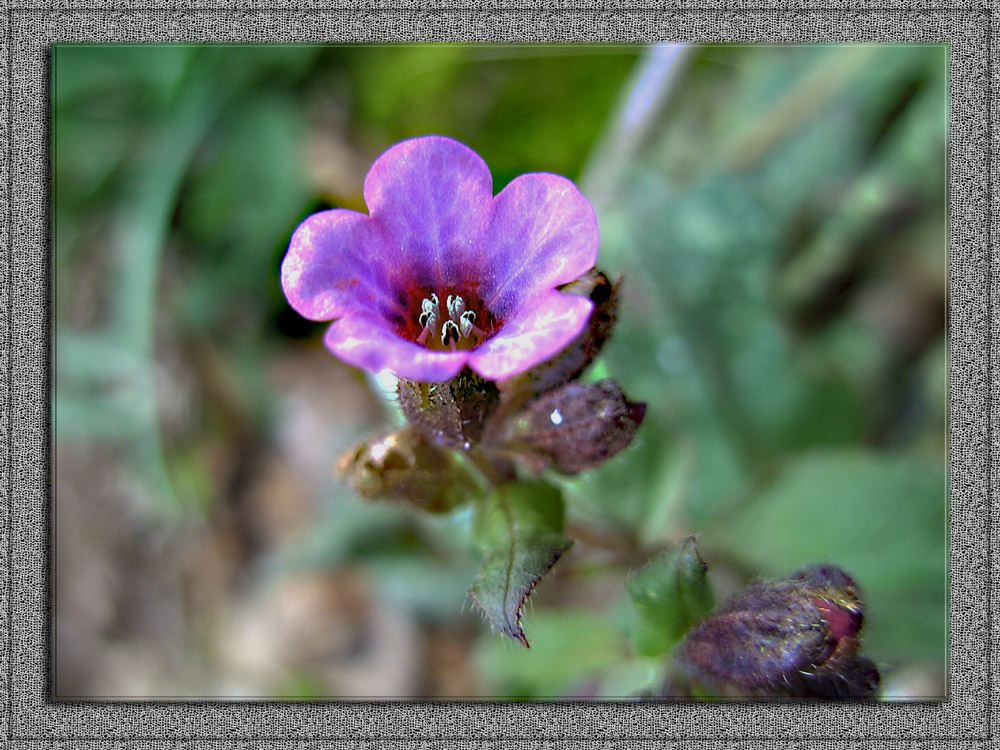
<point x="519" y="531"/>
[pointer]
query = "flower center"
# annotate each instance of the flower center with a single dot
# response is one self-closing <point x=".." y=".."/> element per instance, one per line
<point x="451" y="326"/>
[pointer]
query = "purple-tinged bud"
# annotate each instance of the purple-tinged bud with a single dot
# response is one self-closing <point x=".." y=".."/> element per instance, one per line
<point x="453" y="413"/>
<point x="793" y="637"/>
<point x="405" y="466"/>
<point x="572" y="428"/>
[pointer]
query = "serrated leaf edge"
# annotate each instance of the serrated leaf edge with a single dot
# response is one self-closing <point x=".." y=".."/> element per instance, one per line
<point x="514" y="630"/>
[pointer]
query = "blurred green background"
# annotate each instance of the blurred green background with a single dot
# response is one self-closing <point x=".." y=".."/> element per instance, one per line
<point x="780" y="218"/>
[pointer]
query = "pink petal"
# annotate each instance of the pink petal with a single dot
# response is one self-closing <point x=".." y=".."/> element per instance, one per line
<point x="336" y="264"/>
<point x="432" y="196"/>
<point x="537" y="331"/>
<point x="364" y="341"/>
<point x="543" y="233"/>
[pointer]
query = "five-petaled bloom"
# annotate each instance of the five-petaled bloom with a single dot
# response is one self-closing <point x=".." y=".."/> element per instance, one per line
<point x="442" y="274"/>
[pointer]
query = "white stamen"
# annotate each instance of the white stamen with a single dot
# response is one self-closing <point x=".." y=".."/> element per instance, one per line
<point x="456" y="306"/>
<point x="556" y="417"/>
<point x="465" y="323"/>
<point x="428" y="319"/>
<point x="448" y="330"/>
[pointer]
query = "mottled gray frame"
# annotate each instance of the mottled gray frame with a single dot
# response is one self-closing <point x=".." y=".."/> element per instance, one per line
<point x="29" y="718"/>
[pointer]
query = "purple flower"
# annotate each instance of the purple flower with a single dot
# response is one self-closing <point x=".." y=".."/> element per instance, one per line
<point x="442" y="273"/>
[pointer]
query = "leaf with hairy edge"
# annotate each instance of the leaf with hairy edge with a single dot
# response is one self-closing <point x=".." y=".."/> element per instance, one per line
<point x="519" y="530"/>
<point x="671" y="592"/>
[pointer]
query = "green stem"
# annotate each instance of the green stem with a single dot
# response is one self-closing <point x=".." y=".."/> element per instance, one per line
<point x="495" y="471"/>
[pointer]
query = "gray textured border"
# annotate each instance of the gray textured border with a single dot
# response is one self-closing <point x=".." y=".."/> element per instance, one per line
<point x="27" y="718"/>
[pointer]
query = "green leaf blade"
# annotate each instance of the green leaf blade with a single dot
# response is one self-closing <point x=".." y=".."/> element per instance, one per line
<point x="519" y="530"/>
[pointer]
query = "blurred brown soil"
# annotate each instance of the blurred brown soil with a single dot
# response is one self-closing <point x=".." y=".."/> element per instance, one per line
<point x="154" y="604"/>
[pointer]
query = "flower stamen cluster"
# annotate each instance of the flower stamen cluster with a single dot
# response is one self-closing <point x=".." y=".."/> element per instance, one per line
<point x="458" y="330"/>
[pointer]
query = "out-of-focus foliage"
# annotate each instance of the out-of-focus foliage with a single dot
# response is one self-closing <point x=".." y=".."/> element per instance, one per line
<point x="779" y="214"/>
<point x="570" y="651"/>
<point x="782" y="229"/>
<point x="519" y="106"/>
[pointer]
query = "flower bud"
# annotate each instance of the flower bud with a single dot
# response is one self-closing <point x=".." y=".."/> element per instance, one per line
<point x="793" y="637"/>
<point x="405" y="466"/>
<point x="453" y="413"/>
<point x="574" y="427"/>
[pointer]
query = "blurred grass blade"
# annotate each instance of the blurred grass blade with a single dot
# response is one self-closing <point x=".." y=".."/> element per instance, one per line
<point x="139" y="238"/>
<point x="645" y="96"/>
<point x="902" y="171"/>
<point x="812" y="91"/>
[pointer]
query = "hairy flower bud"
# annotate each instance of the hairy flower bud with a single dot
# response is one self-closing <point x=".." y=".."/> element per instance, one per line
<point x="793" y="637"/>
<point x="572" y="428"/>
<point x="453" y="413"/>
<point x="406" y="466"/>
